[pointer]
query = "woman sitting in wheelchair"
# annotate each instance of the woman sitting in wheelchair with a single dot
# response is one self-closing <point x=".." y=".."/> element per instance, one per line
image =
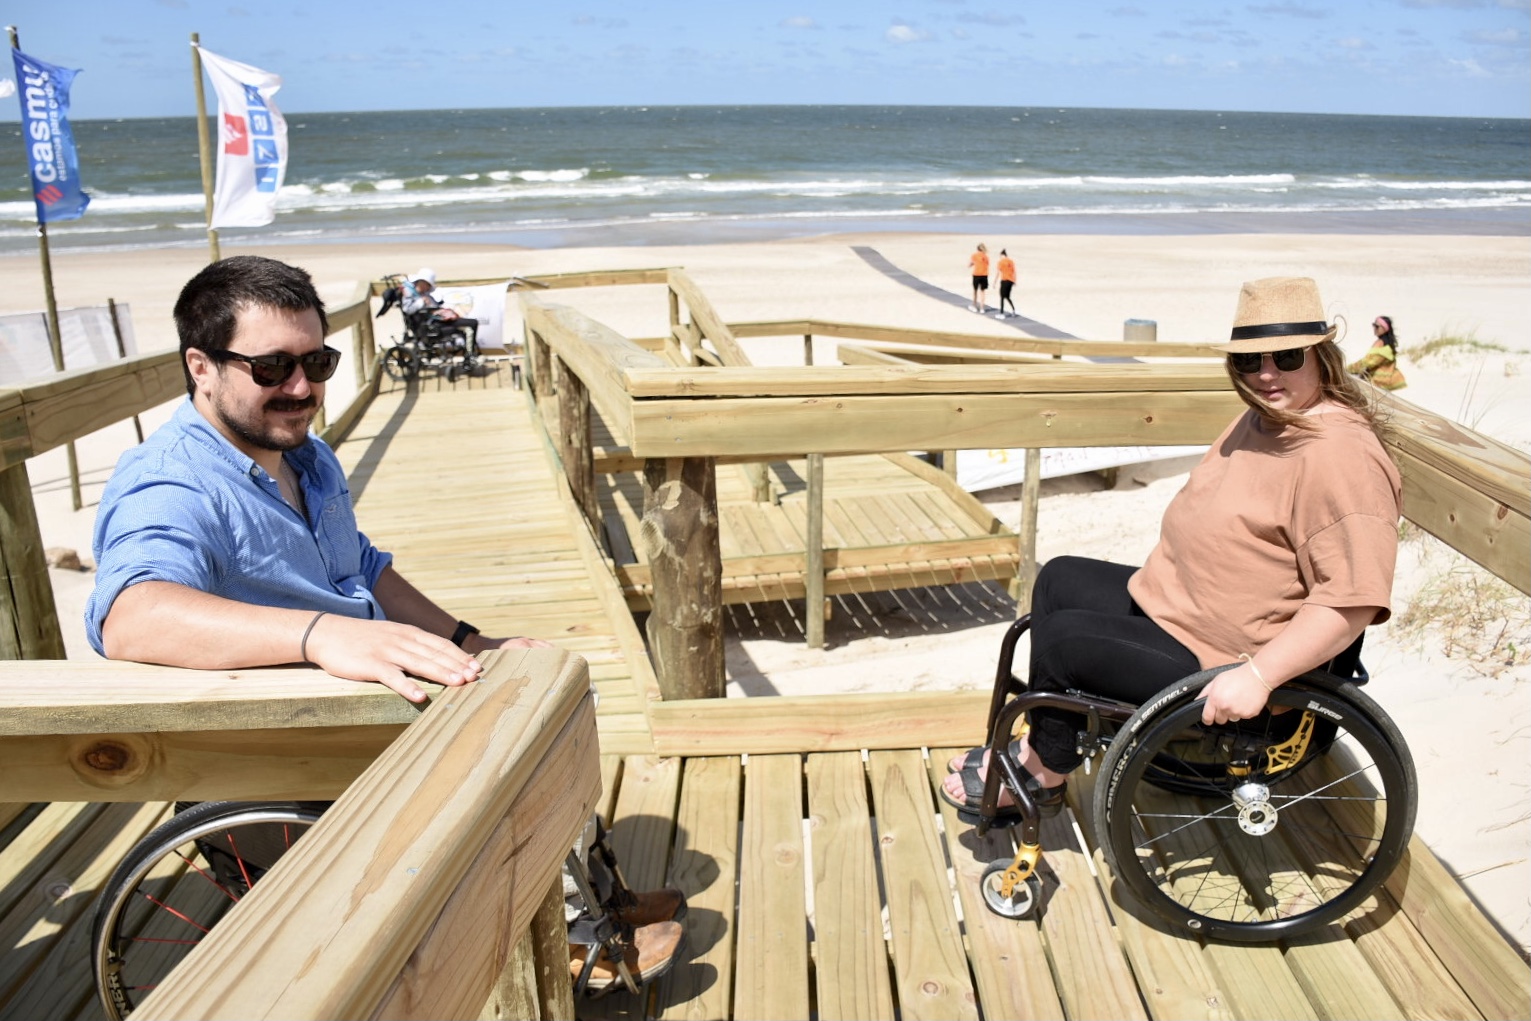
<point x="419" y="296"/>
<point x="1278" y="552"/>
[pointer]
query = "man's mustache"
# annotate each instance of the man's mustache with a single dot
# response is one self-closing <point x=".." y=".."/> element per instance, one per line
<point x="292" y="404"/>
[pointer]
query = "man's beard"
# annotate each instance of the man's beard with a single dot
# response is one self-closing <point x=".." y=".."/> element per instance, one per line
<point x="264" y="438"/>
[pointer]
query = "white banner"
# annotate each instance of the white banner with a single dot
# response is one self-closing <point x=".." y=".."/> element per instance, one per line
<point x="252" y="143"/>
<point x="86" y="334"/>
<point x="978" y="470"/>
<point x="486" y="303"/>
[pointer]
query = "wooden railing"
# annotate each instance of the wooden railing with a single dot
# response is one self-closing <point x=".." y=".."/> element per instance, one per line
<point x="678" y="416"/>
<point x="413" y="894"/>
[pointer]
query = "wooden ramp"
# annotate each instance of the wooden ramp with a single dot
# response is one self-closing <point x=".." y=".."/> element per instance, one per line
<point x="457" y="482"/>
<point x="891" y="521"/>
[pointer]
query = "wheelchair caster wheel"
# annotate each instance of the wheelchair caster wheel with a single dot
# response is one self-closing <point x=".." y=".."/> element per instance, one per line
<point x="1023" y="898"/>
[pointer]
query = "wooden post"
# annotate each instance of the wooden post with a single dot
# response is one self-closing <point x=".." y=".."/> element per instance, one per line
<point x="204" y="147"/>
<point x="949" y="462"/>
<point x="759" y="474"/>
<point x="680" y="533"/>
<point x="542" y="372"/>
<point x="807" y="349"/>
<point x="28" y="618"/>
<point x="362" y="345"/>
<point x="813" y="578"/>
<point x="550" y="955"/>
<point x="1026" y="569"/>
<point x="574" y="440"/>
<point x="122" y="352"/>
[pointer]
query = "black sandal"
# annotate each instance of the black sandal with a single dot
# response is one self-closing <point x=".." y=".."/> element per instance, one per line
<point x="1049" y="800"/>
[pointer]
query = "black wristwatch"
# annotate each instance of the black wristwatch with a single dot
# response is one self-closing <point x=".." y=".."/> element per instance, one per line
<point x="464" y="629"/>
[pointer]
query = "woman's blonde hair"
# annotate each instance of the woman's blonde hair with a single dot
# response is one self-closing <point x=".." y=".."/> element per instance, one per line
<point x="1334" y="383"/>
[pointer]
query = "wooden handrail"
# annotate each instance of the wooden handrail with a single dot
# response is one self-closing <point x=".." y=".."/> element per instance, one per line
<point x="406" y="898"/>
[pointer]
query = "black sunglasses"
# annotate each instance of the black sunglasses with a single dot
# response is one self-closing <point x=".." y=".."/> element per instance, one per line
<point x="1289" y="360"/>
<point x="274" y="370"/>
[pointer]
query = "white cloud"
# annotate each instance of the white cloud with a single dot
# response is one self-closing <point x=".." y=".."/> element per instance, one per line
<point x="1503" y="37"/>
<point x="1470" y="67"/>
<point x="799" y="21"/>
<point x="901" y="33"/>
<point x="1355" y="43"/>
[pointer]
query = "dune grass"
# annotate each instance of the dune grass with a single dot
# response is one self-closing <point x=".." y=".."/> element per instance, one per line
<point x="1465" y="611"/>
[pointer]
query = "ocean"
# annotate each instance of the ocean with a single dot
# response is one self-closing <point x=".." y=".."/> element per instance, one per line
<point x="648" y="175"/>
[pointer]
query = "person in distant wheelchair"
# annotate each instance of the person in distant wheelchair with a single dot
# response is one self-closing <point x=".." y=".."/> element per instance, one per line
<point x="421" y="304"/>
<point x="1276" y="555"/>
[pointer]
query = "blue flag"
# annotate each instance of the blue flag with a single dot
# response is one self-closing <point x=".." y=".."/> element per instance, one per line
<point x="44" y="93"/>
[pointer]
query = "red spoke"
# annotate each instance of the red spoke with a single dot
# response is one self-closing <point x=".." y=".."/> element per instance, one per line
<point x="155" y="900"/>
<point x="239" y="858"/>
<point x="207" y="876"/>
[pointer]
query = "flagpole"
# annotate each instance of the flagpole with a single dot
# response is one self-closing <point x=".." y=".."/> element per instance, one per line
<point x="204" y="143"/>
<point x="55" y="339"/>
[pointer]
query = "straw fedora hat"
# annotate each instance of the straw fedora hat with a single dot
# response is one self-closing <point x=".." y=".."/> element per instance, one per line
<point x="1277" y="313"/>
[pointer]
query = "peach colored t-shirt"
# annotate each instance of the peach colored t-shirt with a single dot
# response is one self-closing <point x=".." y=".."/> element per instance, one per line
<point x="1273" y="518"/>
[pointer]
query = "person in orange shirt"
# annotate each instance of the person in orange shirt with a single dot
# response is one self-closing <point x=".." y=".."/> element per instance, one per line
<point x="979" y="260"/>
<point x="1006" y="284"/>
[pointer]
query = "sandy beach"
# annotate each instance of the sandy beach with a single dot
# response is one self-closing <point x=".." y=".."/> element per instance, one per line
<point x="1467" y="719"/>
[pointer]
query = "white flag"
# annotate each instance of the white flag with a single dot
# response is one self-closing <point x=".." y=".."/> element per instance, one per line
<point x="252" y="143"/>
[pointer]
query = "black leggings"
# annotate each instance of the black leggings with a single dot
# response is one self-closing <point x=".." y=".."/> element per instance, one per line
<point x="1087" y="633"/>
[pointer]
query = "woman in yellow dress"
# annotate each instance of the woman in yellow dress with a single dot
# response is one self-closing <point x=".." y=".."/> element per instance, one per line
<point x="1380" y="363"/>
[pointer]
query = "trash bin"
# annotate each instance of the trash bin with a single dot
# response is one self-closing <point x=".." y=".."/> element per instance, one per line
<point x="1143" y="331"/>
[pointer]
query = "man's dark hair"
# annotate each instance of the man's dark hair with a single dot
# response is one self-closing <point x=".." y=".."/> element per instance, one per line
<point x="210" y="303"/>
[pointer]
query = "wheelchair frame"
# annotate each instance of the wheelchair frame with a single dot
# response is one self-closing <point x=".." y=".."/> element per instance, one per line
<point x="427" y="342"/>
<point x="1238" y="795"/>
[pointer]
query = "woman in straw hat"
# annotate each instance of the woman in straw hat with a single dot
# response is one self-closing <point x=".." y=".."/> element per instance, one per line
<point x="1277" y="553"/>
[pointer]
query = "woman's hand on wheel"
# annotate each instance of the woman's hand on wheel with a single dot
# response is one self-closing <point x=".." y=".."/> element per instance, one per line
<point x="1232" y="695"/>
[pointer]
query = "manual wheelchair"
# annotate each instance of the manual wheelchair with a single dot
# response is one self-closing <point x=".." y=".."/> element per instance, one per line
<point x="428" y="342"/>
<point x="1250" y="832"/>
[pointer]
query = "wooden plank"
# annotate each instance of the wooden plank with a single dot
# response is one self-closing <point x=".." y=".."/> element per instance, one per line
<point x="334" y="923"/>
<point x="994" y="342"/>
<point x="71" y="405"/>
<point x="1478" y="956"/>
<point x="646" y="383"/>
<point x="643" y="823"/>
<point x="771" y="980"/>
<point x="597" y="354"/>
<point x="96" y="696"/>
<point x="454" y="967"/>
<point x="1173" y="974"/>
<point x="63" y="892"/>
<point x="706" y="317"/>
<point x="1094" y="978"/>
<point x="704" y="867"/>
<point x="297" y="763"/>
<point x="931" y="972"/>
<point x="34" y="850"/>
<point x="766" y="426"/>
<point x="851" y="960"/>
<point x="1494" y="469"/>
<point x="819" y="723"/>
<point x="1009" y="961"/>
<point x="1477" y="525"/>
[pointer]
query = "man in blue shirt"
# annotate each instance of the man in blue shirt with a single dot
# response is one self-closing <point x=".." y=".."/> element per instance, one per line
<point x="227" y="540"/>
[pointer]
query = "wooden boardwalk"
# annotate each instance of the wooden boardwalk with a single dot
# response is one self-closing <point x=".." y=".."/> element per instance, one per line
<point x="830" y="884"/>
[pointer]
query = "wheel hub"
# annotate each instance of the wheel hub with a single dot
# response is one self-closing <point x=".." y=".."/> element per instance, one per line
<point x="1257" y="816"/>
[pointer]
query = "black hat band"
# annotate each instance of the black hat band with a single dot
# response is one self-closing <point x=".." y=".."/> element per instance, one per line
<point x="1278" y="330"/>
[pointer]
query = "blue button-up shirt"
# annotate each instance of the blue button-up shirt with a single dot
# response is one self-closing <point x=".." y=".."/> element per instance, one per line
<point x="187" y="507"/>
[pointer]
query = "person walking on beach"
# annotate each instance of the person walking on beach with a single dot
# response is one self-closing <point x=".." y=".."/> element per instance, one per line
<point x="1006" y="284"/>
<point x="979" y="261"/>
<point x="227" y="540"/>
<point x="1380" y="363"/>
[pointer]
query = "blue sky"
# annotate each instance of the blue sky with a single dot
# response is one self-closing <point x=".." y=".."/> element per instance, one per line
<point x="1425" y="57"/>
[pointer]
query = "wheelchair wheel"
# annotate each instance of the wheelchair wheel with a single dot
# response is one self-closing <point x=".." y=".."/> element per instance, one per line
<point x="174" y="886"/>
<point x="1263" y="829"/>
<point x="401" y="362"/>
<point x="1024" y="896"/>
